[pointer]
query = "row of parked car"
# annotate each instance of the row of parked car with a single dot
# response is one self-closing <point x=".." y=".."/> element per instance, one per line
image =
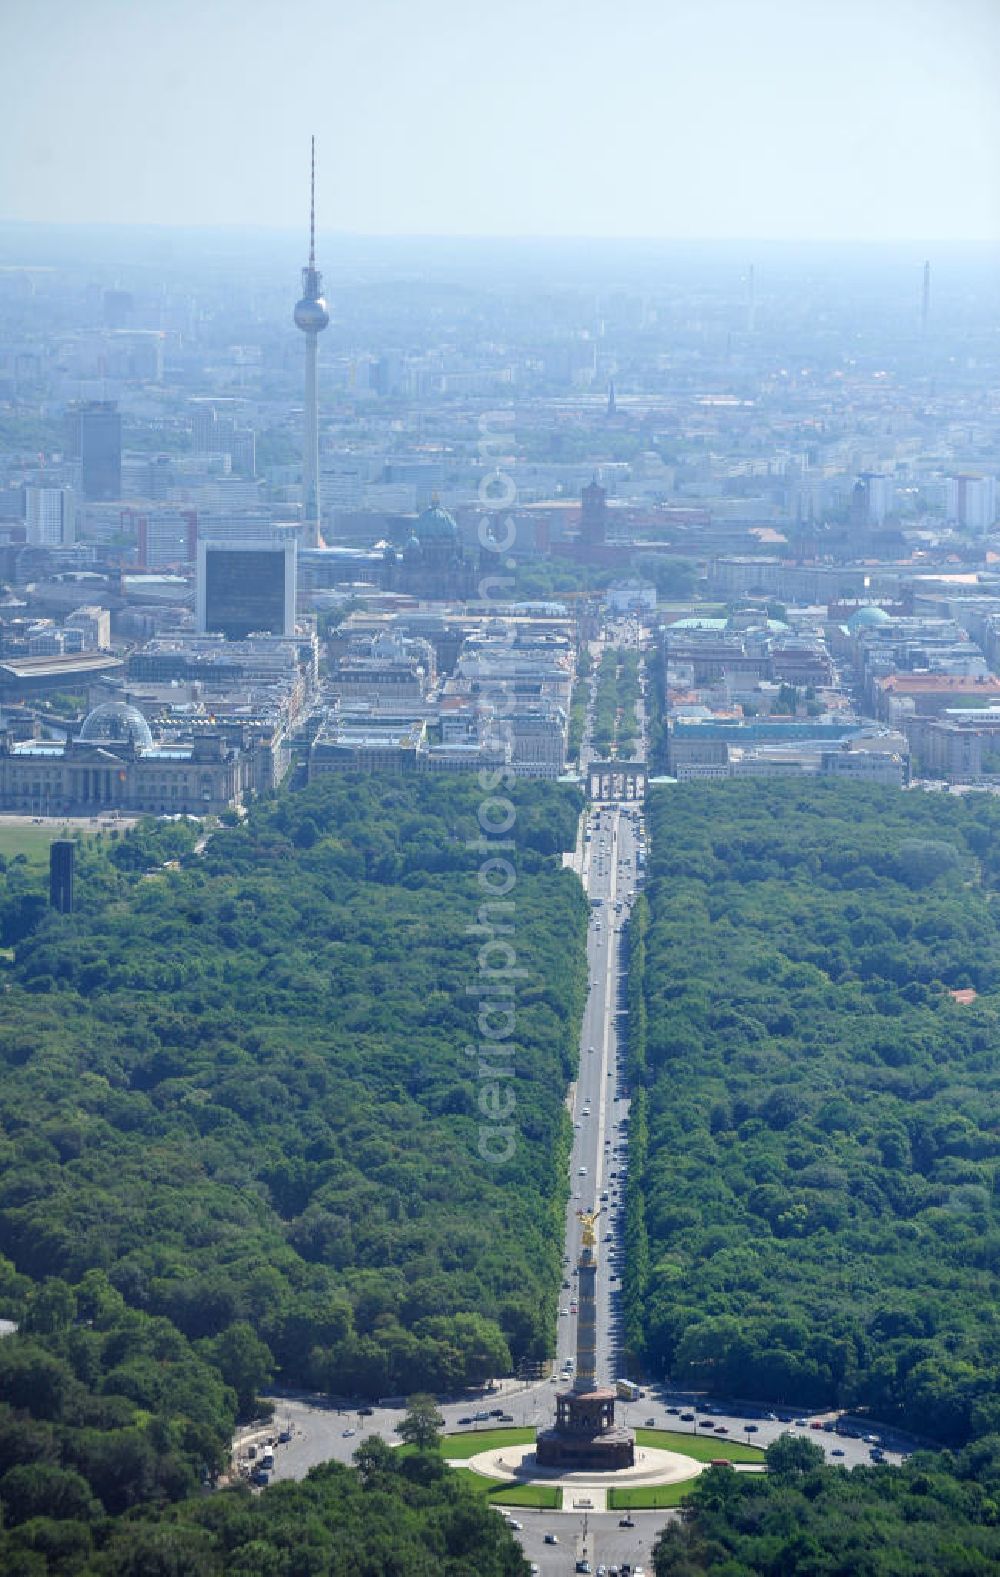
<point x="497" y="1414"/>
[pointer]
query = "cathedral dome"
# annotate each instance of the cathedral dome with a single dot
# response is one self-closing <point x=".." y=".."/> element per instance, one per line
<point x="114" y="721"/>
<point x="867" y="617"/>
<point x="436" y="525"/>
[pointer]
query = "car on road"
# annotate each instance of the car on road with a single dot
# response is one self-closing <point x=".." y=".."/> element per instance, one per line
<point x="687" y="1418"/>
<point x="551" y="1538"/>
<point x="837" y="1451"/>
<point x="349" y="1432"/>
<point x="284" y="1437"/>
<point x="463" y="1421"/>
<point x="626" y="1522"/>
<point x="581" y="1171"/>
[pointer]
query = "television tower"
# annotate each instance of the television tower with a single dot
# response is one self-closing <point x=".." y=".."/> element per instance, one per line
<point x="312" y="318"/>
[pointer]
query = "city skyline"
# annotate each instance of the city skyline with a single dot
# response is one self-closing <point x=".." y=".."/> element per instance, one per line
<point x="678" y="122"/>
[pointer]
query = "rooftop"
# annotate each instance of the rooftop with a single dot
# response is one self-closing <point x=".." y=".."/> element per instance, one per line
<point x="942" y="684"/>
<point x="68" y="663"/>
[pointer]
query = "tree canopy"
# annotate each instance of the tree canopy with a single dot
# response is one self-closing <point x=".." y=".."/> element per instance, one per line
<point x="933" y="1517"/>
<point x="240" y="1129"/>
<point x="811" y="1213"/>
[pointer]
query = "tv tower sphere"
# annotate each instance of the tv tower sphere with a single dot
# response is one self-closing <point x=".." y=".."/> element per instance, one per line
<point x="311" y="315"/>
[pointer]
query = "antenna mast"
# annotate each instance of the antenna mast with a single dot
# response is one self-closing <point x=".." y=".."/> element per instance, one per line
<point x="312" y="202"/>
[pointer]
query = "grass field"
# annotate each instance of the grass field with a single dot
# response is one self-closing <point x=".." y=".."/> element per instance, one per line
<point x="702" y="1447"/>
<point x="545" y="1497"/>
<point x="650" y="1497"/>
<point x="33" y="842"/>
<point x="470" y="1442"/>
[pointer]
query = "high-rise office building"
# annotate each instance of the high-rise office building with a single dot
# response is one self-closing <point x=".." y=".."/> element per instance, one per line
<point x="50" y="516"/>
<point x="164" y="537"/>
<point x="594" y="514"/>
<point x="215" y="429"/>
<point x="312" y="318"/>
<point x="972" y="501"/>
<point x="94" y="437"/>
<point x="62" y="854"/>
<point x="875" y="498"/>
<point x="247" y="587"/>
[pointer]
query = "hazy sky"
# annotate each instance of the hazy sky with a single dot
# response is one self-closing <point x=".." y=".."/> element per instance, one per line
<point x="808" y="119"/>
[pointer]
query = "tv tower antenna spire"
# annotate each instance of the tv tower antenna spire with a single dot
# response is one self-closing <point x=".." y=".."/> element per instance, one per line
<point x="312" y="202"/>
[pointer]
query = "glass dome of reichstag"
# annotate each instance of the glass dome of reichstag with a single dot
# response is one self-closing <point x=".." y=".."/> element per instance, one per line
<point x="116" y="722"/>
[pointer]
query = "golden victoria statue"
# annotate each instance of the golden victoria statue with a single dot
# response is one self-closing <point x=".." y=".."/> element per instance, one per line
<point x="588" y="1217"/>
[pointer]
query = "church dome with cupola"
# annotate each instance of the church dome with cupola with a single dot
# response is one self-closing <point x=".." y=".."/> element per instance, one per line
<point x="436" y="525"/>
<point x="868" y="617"/>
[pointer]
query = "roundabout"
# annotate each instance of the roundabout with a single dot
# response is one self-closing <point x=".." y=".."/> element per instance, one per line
<point x="517" y="1464"/>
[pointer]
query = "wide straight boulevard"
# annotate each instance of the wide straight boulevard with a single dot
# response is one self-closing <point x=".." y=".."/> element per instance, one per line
<point x="609" y="858"/>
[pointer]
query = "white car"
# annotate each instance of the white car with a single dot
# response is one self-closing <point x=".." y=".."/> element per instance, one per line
<point x="581" y="1171"/>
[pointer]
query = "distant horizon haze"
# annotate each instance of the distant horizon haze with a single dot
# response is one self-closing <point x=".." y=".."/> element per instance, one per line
<point x="667" y="120"/>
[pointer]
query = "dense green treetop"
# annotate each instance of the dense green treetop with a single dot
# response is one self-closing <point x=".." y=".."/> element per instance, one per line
<point x="936" y="1516"/>
<point x="819" y="1190"/>
<point x="240" y="1125"/>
